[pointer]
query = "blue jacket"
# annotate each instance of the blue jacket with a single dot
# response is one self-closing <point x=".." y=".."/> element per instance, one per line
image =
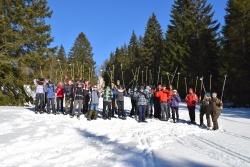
<point x="175" y="100"/>
<point x="50" y="91"/>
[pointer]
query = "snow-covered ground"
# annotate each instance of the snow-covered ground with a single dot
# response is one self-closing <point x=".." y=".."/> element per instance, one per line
<point x="28" y="140"/>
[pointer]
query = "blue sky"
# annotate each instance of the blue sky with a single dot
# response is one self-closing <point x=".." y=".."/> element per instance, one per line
<point x="109" y="23"/>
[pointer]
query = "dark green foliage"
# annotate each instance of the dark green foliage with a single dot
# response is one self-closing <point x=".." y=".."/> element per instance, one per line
<point x="236" y="54"/>
<point x="81" y="59"/>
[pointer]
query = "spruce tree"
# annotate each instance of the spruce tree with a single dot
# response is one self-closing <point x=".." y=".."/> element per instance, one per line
<point x="236" y="52"/>
<point x="152" y="47"/>
<point x="81" y="58"/>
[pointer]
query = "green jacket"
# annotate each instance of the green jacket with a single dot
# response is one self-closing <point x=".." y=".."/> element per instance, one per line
<point x="107" y="95"/>
<point x="205" y="106"/>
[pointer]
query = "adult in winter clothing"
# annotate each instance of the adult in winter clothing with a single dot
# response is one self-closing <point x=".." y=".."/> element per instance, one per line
<point x="191" y="100"/>
<point x="216" y="107"/>
<point x="205" y="109"/>
<point x="78" y="100"/>
<point x="94" y="101"/>
<point x="157" y="104"/>
<point x="59" y="97"/>
<point x="174" y="104"/>
<point x="107" y="100"/>
<point x="40" y="95"/>
<point x="50" y="87"/>
<point x="170" y="90"/>
<point x="142" y="101"/>
<point x="114" y="102"/>
<point x="86" y="96"/>
<point x="149" y="111"/>
<point x="69" y="97"/>
<point x="133" y="110"/>
<point x="164" y="98"/>
<point x="120" y="102"/>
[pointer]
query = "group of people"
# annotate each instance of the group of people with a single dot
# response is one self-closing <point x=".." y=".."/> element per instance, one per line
<point x="147" y="102"/>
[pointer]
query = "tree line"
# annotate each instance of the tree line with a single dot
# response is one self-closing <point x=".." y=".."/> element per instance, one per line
<point x="25" y="54"/>
<point x="195" y="51"/>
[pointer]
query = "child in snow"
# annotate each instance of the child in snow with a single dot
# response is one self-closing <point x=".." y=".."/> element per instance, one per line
<point x="142" y="101"/>
<point x="107" y="99"/>
<point x="50" y="87"/>
<point x="40" y="95"/>
<point x="59" y="97"/>
<point x="216" y="107"/>
<point x="174" y="103"/>
<point x="94" y="102"/>
<point x="78" y="100"/>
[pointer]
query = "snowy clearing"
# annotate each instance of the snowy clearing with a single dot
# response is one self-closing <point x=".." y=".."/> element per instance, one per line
<point x="27" y="139"/>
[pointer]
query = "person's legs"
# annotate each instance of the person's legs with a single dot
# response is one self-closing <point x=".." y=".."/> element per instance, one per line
<point x="201" y="118"/>
<point x="173" y="113"/>
<point x="140" y="113"/>
<point x="208" y="117"/>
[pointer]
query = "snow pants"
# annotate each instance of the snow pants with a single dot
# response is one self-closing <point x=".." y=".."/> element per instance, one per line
<point x="107" y="112"/>
<point x="51" y="104"/>
<point x="175" y="112"/>
<point x="59" y="104"/>
<point x="191" y="111"/>
<point x="77" y="107"/>
<point x="142" y="111"/>
<point x="39" y="105"/>
<point x="208" y="117"/>
<point x="121" y="112"/>
<point x="164" y="111"/>
<point x="69" y="105"/>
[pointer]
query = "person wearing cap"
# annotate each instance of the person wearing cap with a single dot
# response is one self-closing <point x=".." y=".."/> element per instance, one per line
<point x="216" y="107"/>
<point x="191" y="100"/>
<point x="78" y="100"/>
<point x="69" y="96"/>
<point x="205" y="110"/>
<point x="174" y="104"/>
<point x="50" y="97"/>
<point x="94" y="102"/>
<point x="133" y="110"/>
<point x="120" y="102"/>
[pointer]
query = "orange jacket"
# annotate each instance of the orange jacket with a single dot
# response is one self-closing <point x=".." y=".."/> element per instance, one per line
<point x="164" y="96"/>
<point x="191" y="99"/>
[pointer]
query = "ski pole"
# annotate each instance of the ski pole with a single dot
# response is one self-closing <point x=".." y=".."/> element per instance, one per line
<point x="142" y="77"/>
<point x="177" y="86"/>
<point x="174" y="74"/>
<point x="185" y="84"/>
<point x="158" y="76"/>
<point x="223" y="88"/>
<point x="146" y="75"/>
<point x="168" y="79"/>
<point x="210" y="83"/>
<point x="196" y="84"/>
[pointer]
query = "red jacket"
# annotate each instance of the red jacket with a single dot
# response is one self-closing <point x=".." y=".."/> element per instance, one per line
<point x="164" y="96"/>
<point x="191" y="99"/>
<point x="59" y="92"/>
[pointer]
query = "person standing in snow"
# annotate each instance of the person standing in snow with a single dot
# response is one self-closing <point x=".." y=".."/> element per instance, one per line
<point x="94" y="102"/>
<point x="205" y="109"/>
<point x="50" y="97"/>
<point x="157" y="104"/>
<point x="174" y="104"/>
<point x="78" y="100"/>
<point x="148" y="112"/>
<point x="170" y="90"/>
<point x="86" y="97"/>
<point x="69" y="97"/>
<point x="142" y="101"/>
<point x="191" y="100"/>
<point x="114" y="101"/>
<point x="120" y="102"/>
<point x="216" y="107"/>
<point x="133" y="110"/>
<point x="59" y="97"/>
<point x="40" y="95"/>
<point x="107" y="100"/>
<point x="164" y="98"/>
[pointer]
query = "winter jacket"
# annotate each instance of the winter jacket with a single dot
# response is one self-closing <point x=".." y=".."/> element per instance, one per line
<point x="79" y="93"/>
<point x="50" y="91"/>
<point x="216" y="106"/>
<point x="120" y="95"/>
<point x="114" y="92"/>
<point x="39" y="86"/>
<point x="94" y="97"/>
<point x="86" y="95"/>
<point x="205" y="106"/>
<point x="69" y="91"/>
<point x="107" y="95"/>
<point x="60" y="92"/>
<point x="163" y="96"/>
<point x="142" y="98"/>
<point x="175" y="100"/>
<point x="191" y="99"/>
<point x="149" y="96"/>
